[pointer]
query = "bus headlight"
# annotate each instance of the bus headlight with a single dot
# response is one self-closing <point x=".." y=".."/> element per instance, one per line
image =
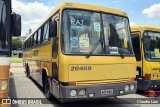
<point x="156" y="76"/>
<point x="4" y="85"/>
<point x="73" y="93"/>
<point x="126" y="88"/>
<point x="152" y="76"/>
<point x="82" y="92"/>
<point x="132" y="87"/>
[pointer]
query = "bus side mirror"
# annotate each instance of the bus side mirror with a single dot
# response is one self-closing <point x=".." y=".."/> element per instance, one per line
<point x="53" y="28"/>
<point x="16" y="24"/>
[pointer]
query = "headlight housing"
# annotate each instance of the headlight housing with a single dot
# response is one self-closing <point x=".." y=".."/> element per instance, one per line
<point x="73" y="93"/>
<point x="82" y="92"/>
<point x="132" y="87"/>
<point x="126" y="88"/>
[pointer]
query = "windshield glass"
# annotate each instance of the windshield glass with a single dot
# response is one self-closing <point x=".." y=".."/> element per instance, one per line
<point x="81" y="30"/>
<point x="152" y="45"/>
<point x="117" y="34"/>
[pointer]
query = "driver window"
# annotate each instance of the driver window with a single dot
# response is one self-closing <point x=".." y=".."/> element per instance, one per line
<point x="136" y="46"/>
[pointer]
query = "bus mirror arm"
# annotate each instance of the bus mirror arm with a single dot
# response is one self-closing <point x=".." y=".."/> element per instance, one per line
<point x="53" y="28"/>
<point x="16" y="24"/>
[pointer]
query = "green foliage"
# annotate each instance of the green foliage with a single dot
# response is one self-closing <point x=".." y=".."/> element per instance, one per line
<point x="16" y="44"/>
<point x="16" y="60"/>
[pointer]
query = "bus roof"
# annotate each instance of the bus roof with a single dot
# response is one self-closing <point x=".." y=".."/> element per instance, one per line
<point x="144" y="27"/>
<point x="74" y="5"/>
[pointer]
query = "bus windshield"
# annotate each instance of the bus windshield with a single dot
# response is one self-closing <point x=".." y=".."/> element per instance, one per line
<point x="152" y="45"/>
<point x="81" y="30"/>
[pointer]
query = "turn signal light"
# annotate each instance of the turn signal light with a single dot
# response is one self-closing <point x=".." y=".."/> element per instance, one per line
<point x="148" y="76"/>
<point x="132" y="78"/>
<point x="72" y="83"/>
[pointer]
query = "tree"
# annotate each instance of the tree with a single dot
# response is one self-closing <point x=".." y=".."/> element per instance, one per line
<point x="16" y="44"/>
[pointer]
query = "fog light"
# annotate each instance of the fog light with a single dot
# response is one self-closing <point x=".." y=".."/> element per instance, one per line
<point x="132" y="87"/>
<point x="82" y="92"/>
<point x="4" y="85"/>
<point x="73" y="93"/>
<point x="126" y="88"/>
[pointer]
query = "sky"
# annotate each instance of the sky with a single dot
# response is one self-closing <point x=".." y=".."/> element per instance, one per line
<point x="140" y="12"/>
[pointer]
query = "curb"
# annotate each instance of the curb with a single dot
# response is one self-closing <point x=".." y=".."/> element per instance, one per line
<point x="16" y="64"/>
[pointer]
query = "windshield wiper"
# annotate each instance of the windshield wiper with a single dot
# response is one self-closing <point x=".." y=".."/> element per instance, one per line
<point x="94" y="47"/>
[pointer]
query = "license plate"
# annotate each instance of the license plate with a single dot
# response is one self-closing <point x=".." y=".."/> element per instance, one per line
<point x="107" y="92"/>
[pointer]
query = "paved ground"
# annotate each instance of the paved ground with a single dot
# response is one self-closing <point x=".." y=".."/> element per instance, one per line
<point x="22" y="87"/>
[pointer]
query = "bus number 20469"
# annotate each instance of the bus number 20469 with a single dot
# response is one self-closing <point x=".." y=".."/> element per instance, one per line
<point x="80" y="68"/>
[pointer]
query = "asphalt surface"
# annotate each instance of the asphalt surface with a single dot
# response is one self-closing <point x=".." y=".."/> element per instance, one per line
<point x="21" y="87"/>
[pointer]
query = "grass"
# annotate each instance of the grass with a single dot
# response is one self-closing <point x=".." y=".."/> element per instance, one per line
<point x="16" y="60"/>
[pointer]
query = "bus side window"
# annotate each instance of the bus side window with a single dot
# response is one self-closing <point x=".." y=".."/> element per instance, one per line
<point x="136" y="46"/>
<point x="46" y="32"/>
<point x="39" y="36"/>
<point x="35" y="39"/>
<point x="55" y="44"/>
<point x="30" y="42"/>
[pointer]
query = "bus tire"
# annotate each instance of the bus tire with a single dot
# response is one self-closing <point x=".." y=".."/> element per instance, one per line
<point x="47" y="88"/>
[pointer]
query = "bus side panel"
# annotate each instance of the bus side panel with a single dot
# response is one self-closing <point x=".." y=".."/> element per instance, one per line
<point x="40" y="61"/>
<point x="55" y="57"/>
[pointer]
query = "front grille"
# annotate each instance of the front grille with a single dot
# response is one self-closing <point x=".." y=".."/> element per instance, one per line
<point x="99" y="82"/>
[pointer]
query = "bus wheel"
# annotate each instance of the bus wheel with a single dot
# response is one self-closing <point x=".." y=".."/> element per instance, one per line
<point x="47" y="88"/>
<point x="28" y="72"/>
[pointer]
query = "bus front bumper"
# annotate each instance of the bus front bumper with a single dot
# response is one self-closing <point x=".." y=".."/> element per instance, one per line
<point x="148" y="84"/>
<point x="98" y="91"/>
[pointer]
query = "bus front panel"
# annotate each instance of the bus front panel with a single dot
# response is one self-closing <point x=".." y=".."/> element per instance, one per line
<point x="96" y="55"/>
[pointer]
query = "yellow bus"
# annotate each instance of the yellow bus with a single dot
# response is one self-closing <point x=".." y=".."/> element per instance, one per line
<point x="82" y="51"/>
<point x="8" y="20"/>
<point x="146" y="45"/>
